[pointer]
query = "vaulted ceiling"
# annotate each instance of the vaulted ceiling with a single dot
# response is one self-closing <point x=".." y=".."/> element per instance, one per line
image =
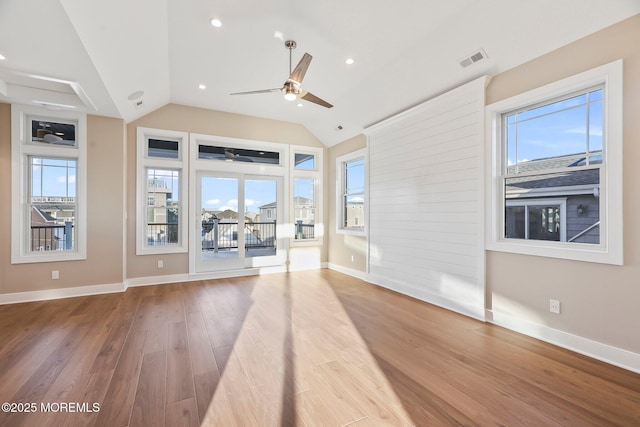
<point x="93" y="55"/>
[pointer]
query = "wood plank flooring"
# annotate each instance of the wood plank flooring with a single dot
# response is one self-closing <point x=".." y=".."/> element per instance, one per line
<point x="314" y="348"/>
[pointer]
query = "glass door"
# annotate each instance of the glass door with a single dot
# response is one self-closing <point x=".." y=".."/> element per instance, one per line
<point x="263" y="214"/>
<point x="238" y="219"/>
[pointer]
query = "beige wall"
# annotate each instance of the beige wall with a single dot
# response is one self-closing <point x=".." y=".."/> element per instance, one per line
<point x="105" y="207"/>
<point x="343" y="246"/>
<point x="208" y="122"/>
<point x="599" y="302"/>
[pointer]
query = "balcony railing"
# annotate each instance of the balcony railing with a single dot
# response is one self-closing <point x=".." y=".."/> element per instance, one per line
<point x="304" y="231"/>
<point x="162" y="233"/>
<point x="217" y="236"/>
<point x="52" y="237"/>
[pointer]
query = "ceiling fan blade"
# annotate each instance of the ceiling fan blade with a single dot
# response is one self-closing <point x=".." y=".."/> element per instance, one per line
<point x="301" y="69"/>
<point x="308" y="96"/>
<point x="257" y="91"/>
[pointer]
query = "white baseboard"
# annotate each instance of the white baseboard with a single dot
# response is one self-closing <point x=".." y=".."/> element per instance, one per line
<point x="348" y="271"/>
<point x="596" y="350"/>
<point x="473" y="311"/>
<point x="51" y="294"/>
<point x="77" y="291"/>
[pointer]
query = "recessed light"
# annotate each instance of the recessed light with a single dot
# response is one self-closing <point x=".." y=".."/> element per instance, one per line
<point x="2" y="57"/>
<point x="278" y="35"/>
<point x="202" y="86"/>
<point x="216" y="22"/>
<point x="349" y="61"/>
<point x="300" y="104"/>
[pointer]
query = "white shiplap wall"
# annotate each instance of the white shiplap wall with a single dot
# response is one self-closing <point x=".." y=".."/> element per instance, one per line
<point x="426" y="200"/>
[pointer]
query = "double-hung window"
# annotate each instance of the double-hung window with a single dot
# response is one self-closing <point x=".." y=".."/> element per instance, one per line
<point x="351" y="191"/>
<point x="306" y="173"/>
<point x="49" y="185"/>
<point x="161" y="191"/>
<point x="556" y="169"/>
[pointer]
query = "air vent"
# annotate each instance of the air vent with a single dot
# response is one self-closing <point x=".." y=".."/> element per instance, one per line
<point x="473" y="58"/>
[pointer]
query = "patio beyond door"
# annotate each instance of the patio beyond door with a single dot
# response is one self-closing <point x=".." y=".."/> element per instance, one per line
<point x="238" y="221"/>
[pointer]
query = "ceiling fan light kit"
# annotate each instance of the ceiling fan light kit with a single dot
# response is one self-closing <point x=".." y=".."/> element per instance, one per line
<point x="291" y="88"/>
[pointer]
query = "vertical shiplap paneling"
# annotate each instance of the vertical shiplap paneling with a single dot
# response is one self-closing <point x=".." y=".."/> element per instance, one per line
<point x="426" y="200"/>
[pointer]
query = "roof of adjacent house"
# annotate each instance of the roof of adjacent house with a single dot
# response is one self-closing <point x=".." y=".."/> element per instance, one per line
<point x="567" y="178"/>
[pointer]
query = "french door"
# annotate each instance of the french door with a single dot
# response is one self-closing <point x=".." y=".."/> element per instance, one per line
<point x="238" y="219"/>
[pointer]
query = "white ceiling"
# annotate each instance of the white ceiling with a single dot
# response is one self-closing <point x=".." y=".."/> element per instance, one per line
<point x="93" y="54"/>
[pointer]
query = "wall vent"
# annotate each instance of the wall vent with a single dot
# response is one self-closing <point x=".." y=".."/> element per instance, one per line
<point x="479" y="55"/>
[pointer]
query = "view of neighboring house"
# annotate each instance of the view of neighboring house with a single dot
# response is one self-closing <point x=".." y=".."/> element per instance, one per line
<point x="161" y="213"/>
<point x="304" y="216"/>
<point x="354" y="217"/>
<point x="52" y="221"/>
<point x="561" y="206"/>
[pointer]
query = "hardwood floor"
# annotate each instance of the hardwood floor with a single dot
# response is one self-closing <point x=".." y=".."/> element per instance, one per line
<point x="312" y="348"/>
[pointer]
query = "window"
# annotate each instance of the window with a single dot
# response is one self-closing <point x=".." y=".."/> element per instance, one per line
<point x="304" y="161"/>
<point x="351" y="186"/>
<point x="557" y="169"/>
<point x="304" y="207"/>
<point x="236" y="154"/>
<point x="161" y="191"/>
<point x="306" y="166"/>
<point x="539" y="219"/>
<point x="49" y="186"/>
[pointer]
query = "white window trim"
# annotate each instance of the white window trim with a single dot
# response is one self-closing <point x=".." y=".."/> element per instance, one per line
<point x="610" y="249"/>
<point x="317" y="176"/>
<point x="340" y="178"/>
<point x="143" y="161"/>
<point x="220" y="168"/>
<point x="20" y="150"/>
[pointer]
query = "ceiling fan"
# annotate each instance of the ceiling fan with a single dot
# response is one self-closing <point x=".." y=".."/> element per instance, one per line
<point x="291" y="88"/>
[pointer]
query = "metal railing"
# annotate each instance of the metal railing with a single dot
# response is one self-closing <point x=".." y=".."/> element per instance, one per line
<point x="304" y="231"/>
<point x="217" y="236"/>
<point x="52" y="237"/>
<point x="162" y="233"/>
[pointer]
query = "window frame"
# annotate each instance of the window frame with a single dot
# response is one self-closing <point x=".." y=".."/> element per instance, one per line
<point x="610" y="248"/>
<point x="22" y="149"/>
<point x="317" y="175"/>
<point x="144" y="162"/>
<point x="340" y="192"/>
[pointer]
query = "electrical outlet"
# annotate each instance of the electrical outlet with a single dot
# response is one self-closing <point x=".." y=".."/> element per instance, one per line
<point x="554" y="306"/>
<point x="55" y="275"/>
<point x="160" y="263"/>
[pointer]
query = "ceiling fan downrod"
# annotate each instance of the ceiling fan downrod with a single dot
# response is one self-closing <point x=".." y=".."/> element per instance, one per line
<point x="290" y="44"/>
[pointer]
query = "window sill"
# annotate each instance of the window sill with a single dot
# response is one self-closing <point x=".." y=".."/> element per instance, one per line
<point x="48" y="257"/>
<point x="352" y="231"/>
<point x="560" y="250"/>
<point x="161" y="250"/>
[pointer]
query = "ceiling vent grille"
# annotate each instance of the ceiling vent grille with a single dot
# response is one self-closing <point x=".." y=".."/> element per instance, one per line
<point x="473" y="58"/>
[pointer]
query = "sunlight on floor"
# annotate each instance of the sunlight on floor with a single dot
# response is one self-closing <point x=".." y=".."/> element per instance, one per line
<point x="299" y="360"/>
